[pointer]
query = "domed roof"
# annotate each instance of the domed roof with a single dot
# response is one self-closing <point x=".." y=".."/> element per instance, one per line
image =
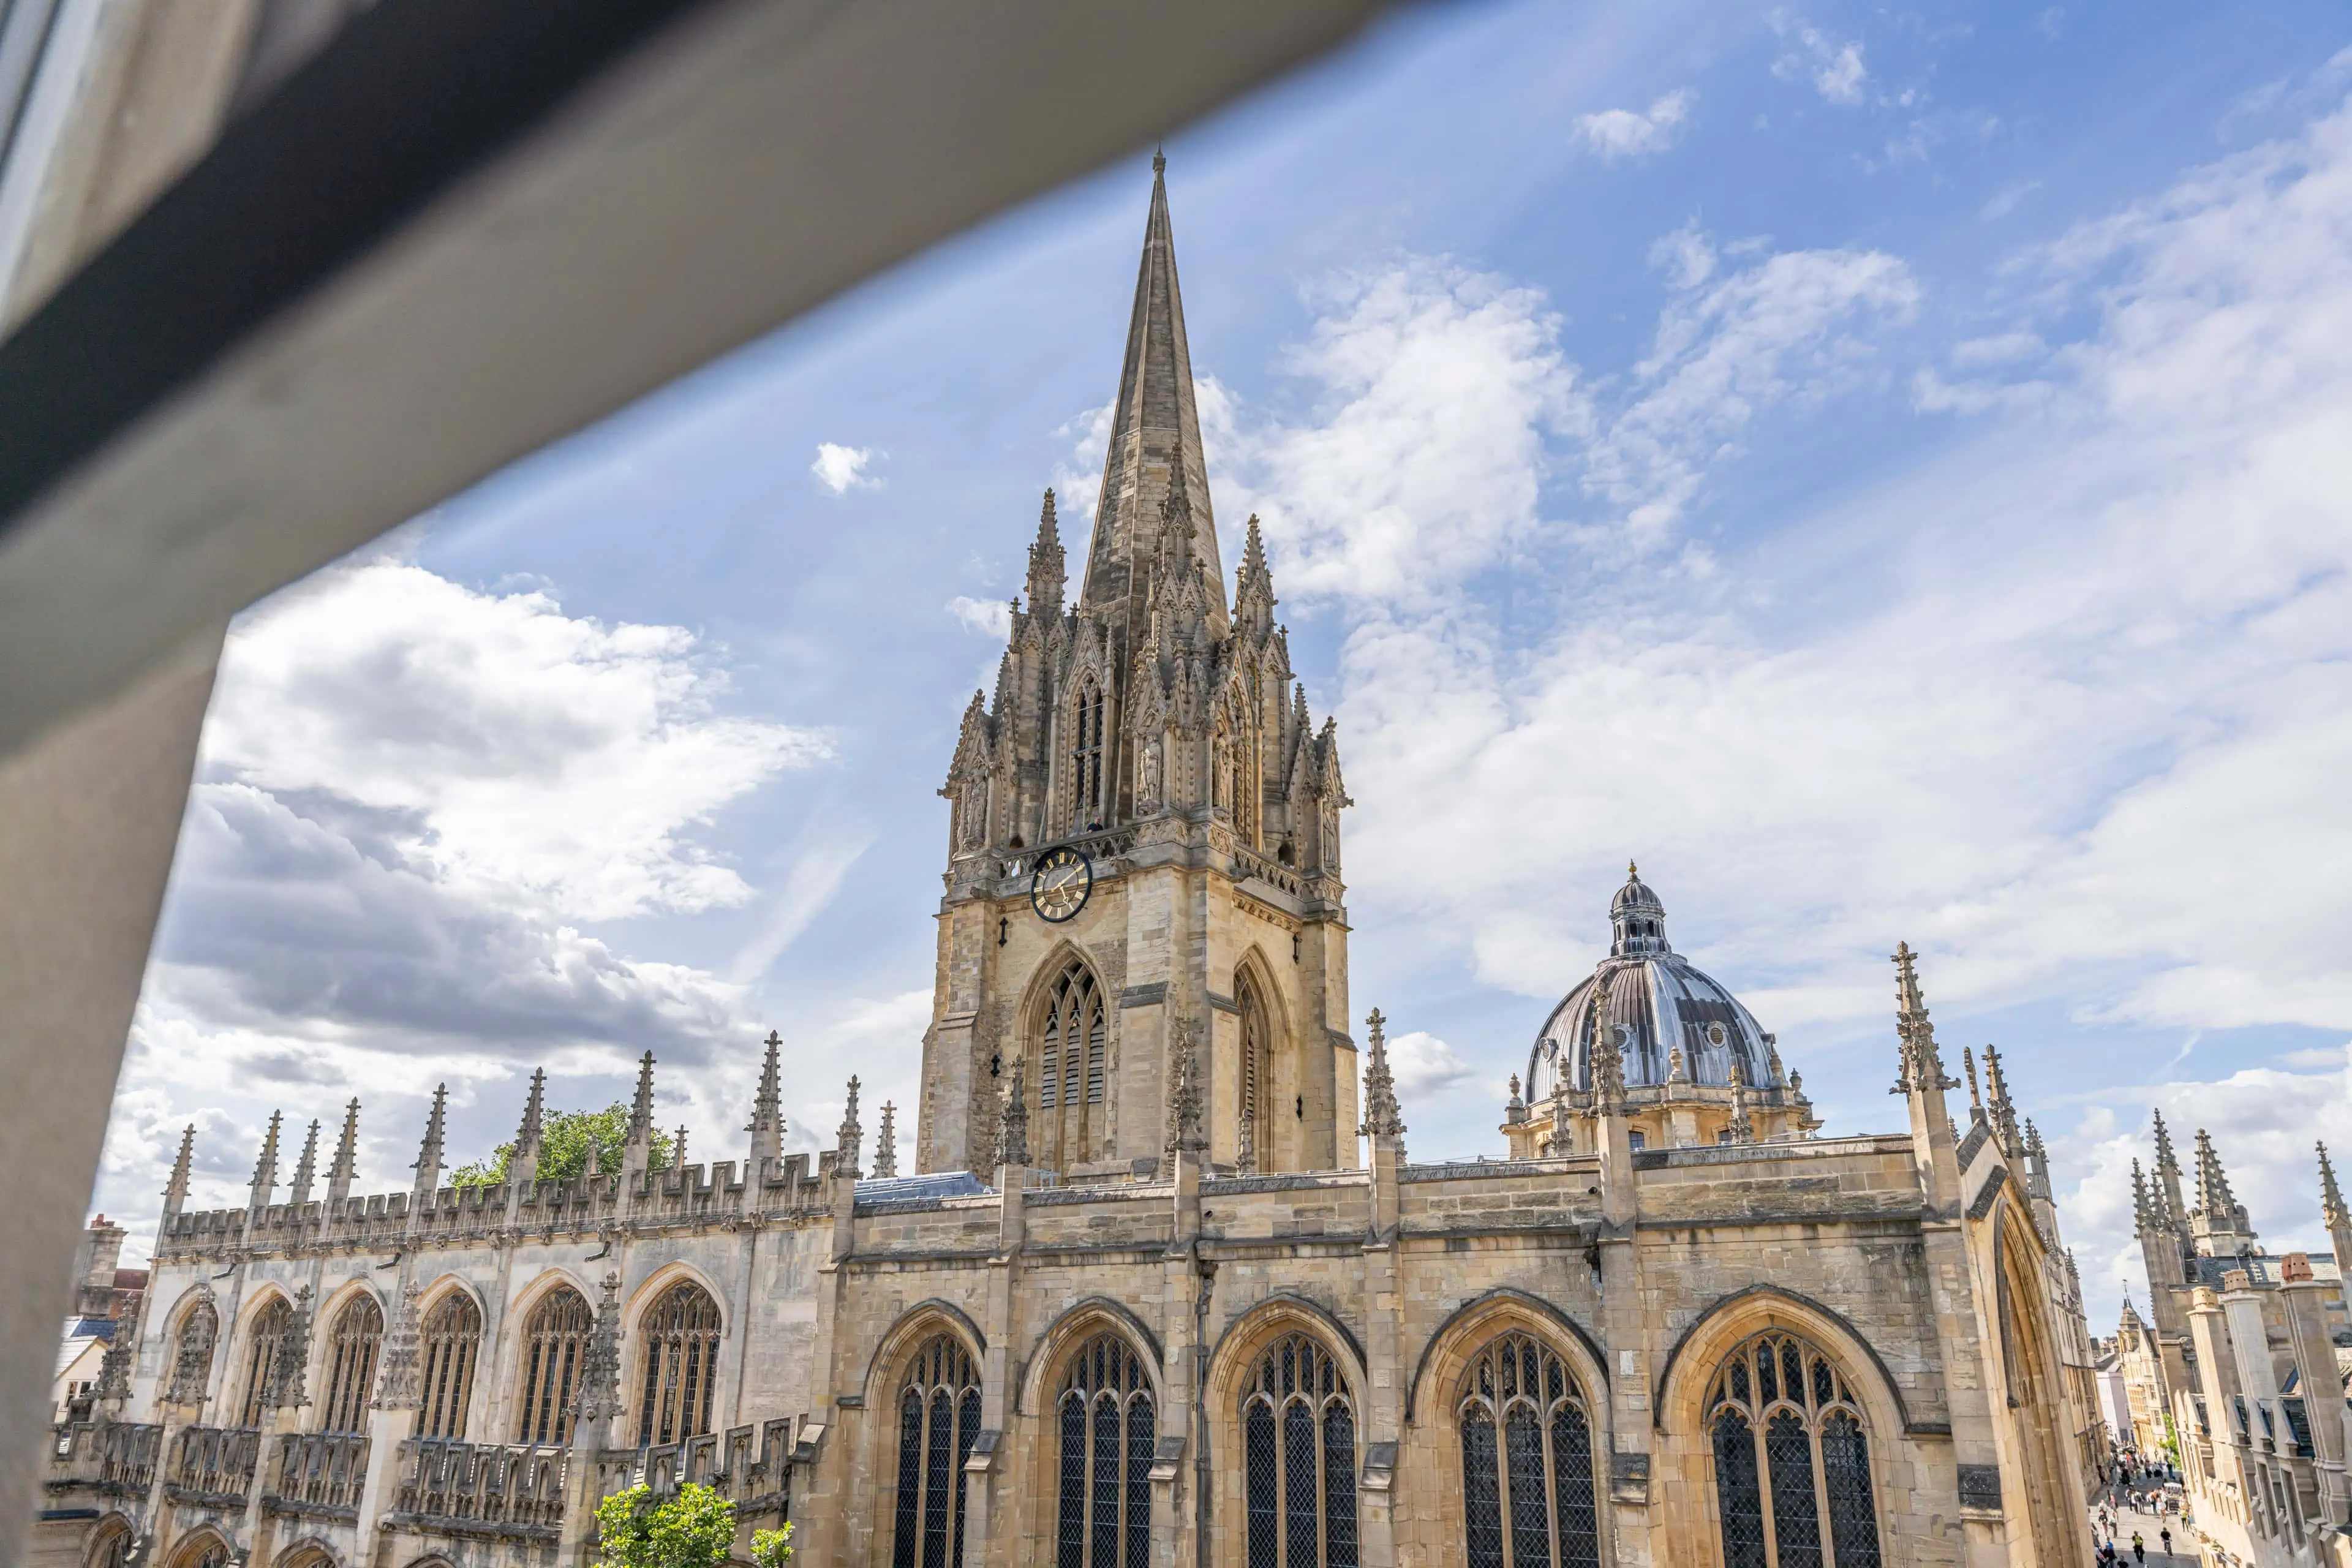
<point x="1650" y="1004"/>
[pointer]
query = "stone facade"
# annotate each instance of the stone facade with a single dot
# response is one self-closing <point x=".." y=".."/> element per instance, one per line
<point x="2244" y="1376"/>
<point x="1164" y="1287"/>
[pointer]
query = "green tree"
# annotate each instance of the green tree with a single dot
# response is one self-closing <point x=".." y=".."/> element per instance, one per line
<point x="694" y="1528"/>
<point x="563" y="1147"/>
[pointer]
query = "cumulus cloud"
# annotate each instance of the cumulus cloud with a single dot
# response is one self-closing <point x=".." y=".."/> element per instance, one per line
<point x="840" y="469"/>
<point x="413" y="799"/>
<point x="1833" y="66"/>
<point x="1620" y="133"/>
<point x="991" y="618"/>
<point x="1423" y="1063"/>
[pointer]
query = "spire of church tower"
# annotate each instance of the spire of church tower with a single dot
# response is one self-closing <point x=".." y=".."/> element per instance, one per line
<point x="305" y="1168"/>
<point x="1048" y="573"/>
<point x="1154" y="428"/>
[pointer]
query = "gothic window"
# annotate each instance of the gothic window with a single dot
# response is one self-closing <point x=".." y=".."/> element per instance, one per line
<point x="453" y="1343"/>
<point x="680" y="1333"/>
<point x="938" y="1416"/>
<point x="1072" y="1064"/>
<point x="1791" y="1463"/>
<point x="351" y="1365"/>
<point x="1105" y="1420"/>
<point x="192" y="1360"/>
<point x="1298" y="1446"/>
<point x="1257" y="1065"/>
<point x="555" y="1339"/>
<point x="1527" y="1461"/>
<point x="113" y="1547"/>
<point x="261" y="1342"/>
<point x="971" y="814"/>
<point x="1087" y="803"/>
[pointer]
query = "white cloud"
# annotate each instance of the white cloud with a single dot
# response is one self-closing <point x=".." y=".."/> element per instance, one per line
<point x="1834" y="68"/>
<point x="1423" y="1064"/>
<point x="2006" y="200"/>
<point x="991" y="618"/>
<point x="1618" y="133"/>
<point x="840" y="469"/>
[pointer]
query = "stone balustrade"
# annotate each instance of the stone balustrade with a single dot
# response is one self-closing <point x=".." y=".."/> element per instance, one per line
<point x="481" y="1488"/>
<point x="317" y="1474"/>
<point x="213" y="1465"/>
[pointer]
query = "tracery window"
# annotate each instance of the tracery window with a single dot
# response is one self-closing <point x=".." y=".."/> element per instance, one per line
<point x="453" y="1343"/>
<point x="261" y="1345"/>
<point x="1792" y="1461"/>
<point x="351" y="1365"/>
<point x="1298" y="1444"/>
<point x="1072" y="1061"/>
<point x="1108" y="1428"/>
<point x="1087" y="806"/>
<point x="938" y="1416"/>
<point x="555" y="1339"/>
<point x="680" y="1333"/>
<point x="192" y="1362"/>
<point x="1256" y="1066"/>
<point x="1527" y="1460"/>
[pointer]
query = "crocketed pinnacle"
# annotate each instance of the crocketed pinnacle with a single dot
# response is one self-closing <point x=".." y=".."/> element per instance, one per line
<point x="2004" y="1111"/>
<point x="305" y="1168"/>
<point x="2143" y="1216"/>
<point x="428" y="1153"/>
<point x="175" y="1188"/>
<point x="768" y="1101"/>
<point x="265" y="1169"/>
<point x="1047" y="567"/>
<point x="850" y="1136"/>
<point x="641" y="1109"/>
<point x="2037" y="1174"/>
<point x="1976" y="1095"/>
<point x="1920" y="1064"/>
<point x="1382" y="1116"/>
<point x="886" y="1143"/>
<point x="345" y="1167"/>
<point x="1012" y="1121"/>
<point x="1155" y="436"/>
<point x="2332" y="1211"/>
<point x="1185" y="1128"/>
<point x="2213" y="1194"/>
<point x="533" y="1131"/>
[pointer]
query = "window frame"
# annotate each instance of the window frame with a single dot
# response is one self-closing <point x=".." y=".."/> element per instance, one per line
<point x="1745" y="1389"/>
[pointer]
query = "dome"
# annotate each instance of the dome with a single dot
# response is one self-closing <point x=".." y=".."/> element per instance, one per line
<point x="1653" y="1003"/>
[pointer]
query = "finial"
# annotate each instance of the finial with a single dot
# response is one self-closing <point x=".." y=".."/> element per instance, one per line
<point x="1632" y="872"/>
<point x="850" y="1136"/>
<point x="678" y="1150"/>
<point x="1382" y="1116"/>
<point x="1159" y="162"/>
<point x="886" y="1143"/>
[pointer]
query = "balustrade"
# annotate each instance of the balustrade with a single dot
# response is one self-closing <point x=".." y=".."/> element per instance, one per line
<point x="505" y="1489"/>
<point x="319" y="1472"/>
<point x="127" y="1452"/>
<point x="214" y="1463"/>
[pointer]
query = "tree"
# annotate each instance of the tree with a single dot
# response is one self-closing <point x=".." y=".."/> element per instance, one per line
<point x="563" y="1147"/>
<point x="694" y="1528"/>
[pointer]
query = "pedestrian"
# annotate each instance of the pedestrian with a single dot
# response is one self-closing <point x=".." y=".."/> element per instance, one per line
<point x="2139" y="1550"/>
<point x="2166" y="1538"/>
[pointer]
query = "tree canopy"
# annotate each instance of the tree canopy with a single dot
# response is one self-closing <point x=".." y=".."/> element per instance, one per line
<point x="693" y="1527"/>
<point x="563" y="1147"/>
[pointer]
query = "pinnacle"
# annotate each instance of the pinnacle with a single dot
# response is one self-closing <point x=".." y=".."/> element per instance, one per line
<point x="2332" y="1210"/>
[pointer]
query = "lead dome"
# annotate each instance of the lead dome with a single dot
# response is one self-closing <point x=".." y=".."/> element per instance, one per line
<point x="1653" y="1002"/>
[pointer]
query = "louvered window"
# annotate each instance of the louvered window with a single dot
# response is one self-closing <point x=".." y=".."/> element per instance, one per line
<point x="453" y="1343"/>
<point x="555" y="1339"/>
<point x="262" y="1343"/>
<point x="351" y="1350"/>
<point x="1299" y="1441"/>
<point x="1527" y="1461"/>
<point x="1072" y="1068"/>
<point x="1087" y="803"/>
<point x="938" y="1416"/>
<point x="1792" y="1461"/>
<point x="1104" y="1422"/>
<point x="680" y="1335"/>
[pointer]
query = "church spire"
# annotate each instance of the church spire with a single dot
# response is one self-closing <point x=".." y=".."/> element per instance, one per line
<point x="1048" y="573"/>
<point x="1154" y="428"/>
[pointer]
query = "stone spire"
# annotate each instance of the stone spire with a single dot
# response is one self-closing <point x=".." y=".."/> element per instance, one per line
<point x="2213" y="1182"/>
<point x="1976" y="1095"/>
<point x="2143" y="1212"/>
<point x="1608" y="1056"/>
<point x="1918" y="1063"/>
<point x="637" y="1147"/>
<point x="1997" y="1100"/>
<point x="343" y="1169"/>
<point x="767" y="1127"/>
<point x="530" y="1138"/>
<point x="1155" y="429"/>
<point x="1743" y="1125"/>
<point x="2220" y="1226"/>
<point x="265" y="1169"/>
<point x="1254" y="598"/>
<point x="428" y="1153"/>
<point x="2037" y="1174"/>
<point x="175" y="1189"/>
<point x="849" y="1137"/>
<point x="677" y="1149"/>
<point x="305" y="1168"/>
<point x="885" y="1145"/>
<point x="1048" y="573"/>
<point x="2171" y="1201"/>
<point x="2334" y="1215"/>
<point x="1382" y="1117"/>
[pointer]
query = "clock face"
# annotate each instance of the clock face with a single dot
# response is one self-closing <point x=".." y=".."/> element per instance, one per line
<point x="1059" y="884"/>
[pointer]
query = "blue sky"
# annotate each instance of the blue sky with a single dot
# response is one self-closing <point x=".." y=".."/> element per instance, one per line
<point x="1885" y="468"/>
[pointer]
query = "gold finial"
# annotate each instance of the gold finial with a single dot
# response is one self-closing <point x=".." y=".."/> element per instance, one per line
<point x="1632" y="872"/>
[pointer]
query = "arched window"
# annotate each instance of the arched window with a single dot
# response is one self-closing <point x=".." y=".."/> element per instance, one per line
<point x="111" y="1546"/>
<point x="680" y="1332"/>
<point x="1104" y="1416"/>
<point x="351" y="1365"/>
<point x="938" y="1416"/>
<point x="555" y="1338"/>
<point x="1527" y="1460"/>
<point x="206" y="1551"/>
<point x="1071" y="1067"/>
<point x="1088" y="805"/>
<point x="1257" y="1066"/>
<point x="192" y="1359"/>
<point x="1299" y="1443"/>
<point x="261" y="1345"/>
<point x="1791" y="1462"/>
<point x="453" y="1343"/>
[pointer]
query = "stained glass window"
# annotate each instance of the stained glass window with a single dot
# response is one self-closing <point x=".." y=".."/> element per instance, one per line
<point x="453" y="1341"/>
<point x="938" y="1416"/>
<point x="351" y="1365"/>
<point x="1791" y="1463"/>
<point x="680" y="1335"/>
<point x="1108" y="1427"/>
<point x="261" y="1345"/>
<point x="1298" y="1428"/>
<point x="1527" y="1487"/>
<point x="555" y="1338"/>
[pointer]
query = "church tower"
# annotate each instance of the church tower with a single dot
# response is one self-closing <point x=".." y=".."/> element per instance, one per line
<point x="1143" y="847"/>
